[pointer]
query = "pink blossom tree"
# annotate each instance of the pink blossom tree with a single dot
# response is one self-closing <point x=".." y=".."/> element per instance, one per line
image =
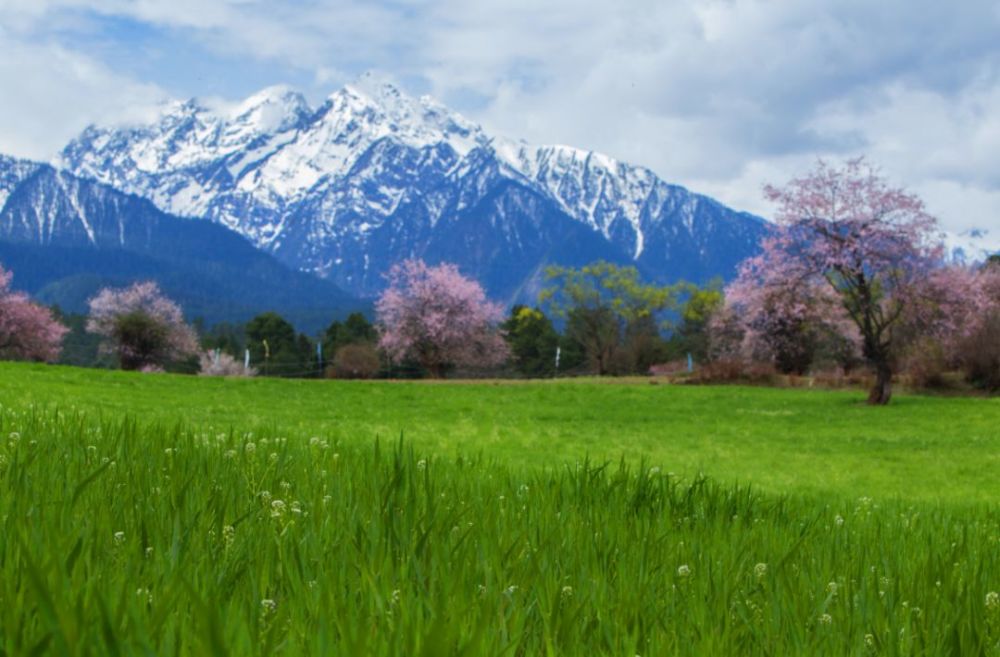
<point x="871" y="243"/>
<point x="141" y="326"/>
<point x="28" y="331"/>
<point x="438" y="318"/>
<point x="773" y="314"/>
<point x="959" y="311"/>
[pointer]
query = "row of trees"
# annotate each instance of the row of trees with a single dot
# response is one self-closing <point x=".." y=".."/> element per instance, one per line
<point x="432" y="321"/>
<point x="853" y="274"/>
<point x="138" y="328"/>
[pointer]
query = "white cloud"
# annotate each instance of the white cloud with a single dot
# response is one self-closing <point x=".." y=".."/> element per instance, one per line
<point x="51" y="94"/>
<point x="720" y="95"/>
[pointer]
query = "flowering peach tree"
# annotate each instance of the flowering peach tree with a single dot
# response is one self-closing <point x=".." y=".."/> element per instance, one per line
<point x="438" y="318"/>
<point x="141" y="326"/>
<point x="871" y="244"/>
<point x="28" y="331"/>
<point x="772" y="314"/>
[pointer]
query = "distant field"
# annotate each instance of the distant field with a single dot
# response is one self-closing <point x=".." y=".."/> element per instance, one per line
<point x="778" y="441"/>
<point x="181" y="516"/>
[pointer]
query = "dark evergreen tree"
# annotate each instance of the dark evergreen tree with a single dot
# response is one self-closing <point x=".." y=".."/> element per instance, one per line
<point x="276" y="350"/>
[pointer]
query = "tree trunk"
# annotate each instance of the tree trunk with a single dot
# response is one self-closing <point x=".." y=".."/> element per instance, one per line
<point x="881" y="392"/>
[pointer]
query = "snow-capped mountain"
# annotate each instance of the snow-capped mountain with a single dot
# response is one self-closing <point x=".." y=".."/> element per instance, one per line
<point x="973" y="245"/>
<point x="65" y="237"/>
<point x="373" y="176"/>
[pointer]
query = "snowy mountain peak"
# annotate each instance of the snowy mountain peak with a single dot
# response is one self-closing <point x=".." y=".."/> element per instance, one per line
<point x="273" y="109"/>
<point x="374" y="175"/>
<point x="418" y="122"/>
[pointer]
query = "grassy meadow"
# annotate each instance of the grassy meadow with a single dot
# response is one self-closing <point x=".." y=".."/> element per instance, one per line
<point x="156" y="514"/>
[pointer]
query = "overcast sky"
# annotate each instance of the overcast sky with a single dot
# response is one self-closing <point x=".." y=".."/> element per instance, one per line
<point x="720" y="96"/>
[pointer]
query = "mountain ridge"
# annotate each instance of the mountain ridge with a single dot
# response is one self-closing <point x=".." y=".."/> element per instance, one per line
<point x="372" y="176"/>
<point x="65" y="237"/>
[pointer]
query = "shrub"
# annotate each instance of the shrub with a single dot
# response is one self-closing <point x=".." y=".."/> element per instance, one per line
<point x="219" y="363"/>
<point x="355" y="361"/>
<point x="735" y="371"/>
<point x="672" y="368"/>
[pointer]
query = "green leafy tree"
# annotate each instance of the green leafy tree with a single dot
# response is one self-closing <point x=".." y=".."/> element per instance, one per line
<point x="608" y="312"/>
<point x="532" y="340"/>
<point x="597" y="331"/>
<point x="690" y="334"/>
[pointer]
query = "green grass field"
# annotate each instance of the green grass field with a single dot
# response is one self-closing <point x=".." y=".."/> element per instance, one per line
<point x="778" y="441"/>
<point x="154" y="514"/>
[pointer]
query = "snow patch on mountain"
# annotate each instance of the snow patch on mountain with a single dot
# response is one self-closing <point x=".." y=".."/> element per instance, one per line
<point x="12" y="173"/>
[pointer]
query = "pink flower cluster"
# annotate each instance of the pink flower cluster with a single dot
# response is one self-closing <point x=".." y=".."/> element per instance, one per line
<point x="28" y="331"/>
<point x="110" y="306"/>
<point x="439" y="318"/>
<point x="954" y="303"/>
<point x="772" y="311"/>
